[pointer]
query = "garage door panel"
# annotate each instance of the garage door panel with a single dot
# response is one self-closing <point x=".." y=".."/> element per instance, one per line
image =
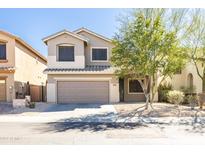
<point x="83" y="92"/>
<point x="2" y="90"/>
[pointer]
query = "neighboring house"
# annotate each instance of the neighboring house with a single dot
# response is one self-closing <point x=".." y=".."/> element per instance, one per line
<point x="79" y="70"/>
<point x="21" y="69"/>
<point x="187" y="77"/>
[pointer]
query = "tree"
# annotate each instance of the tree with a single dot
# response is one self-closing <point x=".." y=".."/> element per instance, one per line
<point x="195" y="43"/>
<point x="144" y="48"/>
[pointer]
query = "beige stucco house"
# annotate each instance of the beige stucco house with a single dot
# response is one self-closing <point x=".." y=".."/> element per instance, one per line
<point x="21" y="67"/>
<point x="188" y="77"/>
<point x="79" y="70"/>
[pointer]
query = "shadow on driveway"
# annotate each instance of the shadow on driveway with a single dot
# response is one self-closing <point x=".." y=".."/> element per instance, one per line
<point x="114" y="121"/>
<point x="91" y="122"/>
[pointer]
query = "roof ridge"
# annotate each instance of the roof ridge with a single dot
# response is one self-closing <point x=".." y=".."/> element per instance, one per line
<point x="92" y="32"/>
<point x="45" y="39"/>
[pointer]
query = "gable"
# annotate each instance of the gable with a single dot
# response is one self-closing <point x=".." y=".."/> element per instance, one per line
<point x="95" y="40"/>
<point x="79" y="31"/>
<point x="63" y="32"/>
<point x="8" y="37"/>
<point x="64" y="39"/>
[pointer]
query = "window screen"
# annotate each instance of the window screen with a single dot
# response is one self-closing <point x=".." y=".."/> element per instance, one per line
<point x="99" y="54"/>
<point x="66" y="53"/>
<point x="2" y="51"/>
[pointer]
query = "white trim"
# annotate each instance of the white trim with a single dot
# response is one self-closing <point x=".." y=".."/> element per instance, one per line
<point x="93" y="33"/>
<point x="78" y="72"/>
<point x="81" y="79"/>
<point x="129" y="88"/>
<point x="65" y="44"/>
<point x="63" y="32"/>
<point x="91" y="54"/>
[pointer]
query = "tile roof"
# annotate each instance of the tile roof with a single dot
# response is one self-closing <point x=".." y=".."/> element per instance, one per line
<point x="88" y="68"/>
<point x="7" y="68"/>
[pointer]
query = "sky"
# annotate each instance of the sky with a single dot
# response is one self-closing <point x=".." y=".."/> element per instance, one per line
<point x="34" y="24"/>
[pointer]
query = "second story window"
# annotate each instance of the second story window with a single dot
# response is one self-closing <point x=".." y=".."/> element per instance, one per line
<point x="2" y="51"/>
<point x="99" y="54"/>
<point x="66" y="53"/>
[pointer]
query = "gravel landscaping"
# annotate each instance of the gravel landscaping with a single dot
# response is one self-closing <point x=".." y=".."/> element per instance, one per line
<point x="160" y="110"/>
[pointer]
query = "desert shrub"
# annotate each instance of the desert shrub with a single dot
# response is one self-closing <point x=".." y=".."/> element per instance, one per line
<point x="175" y="97"/>
<point x="192" y="100"/>
<point x="188" y="90"/>
<point x="163" y="89"/>
<point x="32" y="105"/>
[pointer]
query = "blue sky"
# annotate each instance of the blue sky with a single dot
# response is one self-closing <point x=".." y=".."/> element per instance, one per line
<point x="34" y="24"/>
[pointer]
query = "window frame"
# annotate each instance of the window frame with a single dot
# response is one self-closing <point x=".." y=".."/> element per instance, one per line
<point x="57" y="54"/>
<point x="128" y="86"/>
<point x="4" y="43"/>
<point x="91" y="54"/>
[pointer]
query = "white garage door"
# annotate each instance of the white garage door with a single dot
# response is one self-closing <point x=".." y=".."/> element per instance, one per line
<point x="83" y="92"/>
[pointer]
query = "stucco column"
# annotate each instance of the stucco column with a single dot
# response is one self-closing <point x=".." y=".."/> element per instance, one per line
<point x="114" y="90"/>
<point x="51" y="93"/>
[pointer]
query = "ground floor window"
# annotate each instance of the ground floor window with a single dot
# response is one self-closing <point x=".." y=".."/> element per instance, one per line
<point x="134" y="86"/>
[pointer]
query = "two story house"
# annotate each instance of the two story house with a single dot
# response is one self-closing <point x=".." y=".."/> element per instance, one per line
<point x="79" y="70"/>
<point x="21" y="69"/>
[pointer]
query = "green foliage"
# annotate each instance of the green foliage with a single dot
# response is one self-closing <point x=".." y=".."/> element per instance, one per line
<point x="165" y="86"/>
<point x="144" y="47"/>
<point x="188" y="90"/>
<point x="192" y="99"/>
<point x="145" y="43"/>
<point x="163" y="89"/>
<point x="32" y="105"/>
<point x="175" y="97"/>
<point x="195" y="43"/>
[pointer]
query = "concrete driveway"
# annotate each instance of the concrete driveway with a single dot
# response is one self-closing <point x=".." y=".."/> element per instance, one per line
<point x="45" y="112"/>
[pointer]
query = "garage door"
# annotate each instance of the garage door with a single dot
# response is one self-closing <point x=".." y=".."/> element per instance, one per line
<point x="2" y="90"/>
<point x="83" y="92"/>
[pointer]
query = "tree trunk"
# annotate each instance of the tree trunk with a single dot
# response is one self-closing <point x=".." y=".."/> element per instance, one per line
<point x="203" y="84"/>
<point x="145" y="86"/>
<point x="153" y="89"/>
<point x="201" y="96"/>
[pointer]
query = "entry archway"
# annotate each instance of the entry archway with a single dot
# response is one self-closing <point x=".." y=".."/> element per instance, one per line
<point x="190" y="80"/>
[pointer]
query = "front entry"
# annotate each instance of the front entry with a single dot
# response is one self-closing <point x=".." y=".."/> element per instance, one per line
<point x="121" y="88"/>
<point x="130" y="90"/>
<point x="2" y="90"/>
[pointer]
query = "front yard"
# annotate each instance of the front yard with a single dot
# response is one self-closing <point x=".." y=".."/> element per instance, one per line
<point x="160" y="110"/>
<point x="101" y="124"/>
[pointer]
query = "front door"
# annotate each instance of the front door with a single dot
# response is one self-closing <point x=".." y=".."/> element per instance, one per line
<point x="121" y="88"/>
<point x="2" y="90"/>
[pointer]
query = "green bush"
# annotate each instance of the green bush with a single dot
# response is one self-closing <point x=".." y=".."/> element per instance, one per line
<point x="175" y="97"/>
<point x="163" y="89"/>
<point x="188" y="90"/>
<point x="32" y="105"/>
